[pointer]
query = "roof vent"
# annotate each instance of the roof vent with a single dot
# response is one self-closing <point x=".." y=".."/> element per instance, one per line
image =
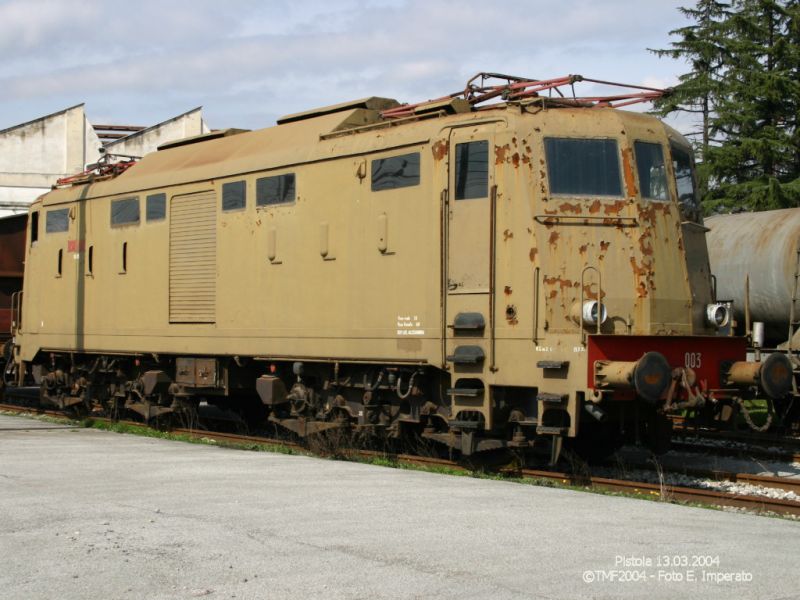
<point x="372" y="103"/>
<point x="203" y="137"/>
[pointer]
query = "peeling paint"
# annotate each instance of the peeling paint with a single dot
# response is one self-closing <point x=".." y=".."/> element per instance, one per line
<point x="614" y="208"/>
<point x="589" y="293"/>
<point x="439" y="150"/>
<point x="500" y="154"/>
<point x="627" y="170"/>
<point x="566" y="207"/>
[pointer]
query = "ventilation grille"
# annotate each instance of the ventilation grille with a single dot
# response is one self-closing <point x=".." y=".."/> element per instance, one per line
<point x="193" y="258"/>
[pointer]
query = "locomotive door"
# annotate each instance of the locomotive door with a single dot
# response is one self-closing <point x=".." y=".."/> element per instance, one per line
<point x="469" y="214"/>
<point x="469" y="248"/>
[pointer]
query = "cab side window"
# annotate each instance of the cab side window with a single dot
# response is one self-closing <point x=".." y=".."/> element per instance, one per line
<point x="583" y="167"/>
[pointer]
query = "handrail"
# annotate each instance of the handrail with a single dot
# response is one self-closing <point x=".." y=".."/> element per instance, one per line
<point x="599" y="300"/>
<point x="492" y="277"/>
<point x="585" y="220"/>
<point x="16" y="312"/>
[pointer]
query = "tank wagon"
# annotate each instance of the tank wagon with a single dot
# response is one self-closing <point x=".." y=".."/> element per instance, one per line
<point x="501" y="267"/>
<point x="755" y="258"/>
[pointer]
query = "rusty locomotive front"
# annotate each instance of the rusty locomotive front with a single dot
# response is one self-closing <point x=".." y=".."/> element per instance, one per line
<point x="481" y="275"/>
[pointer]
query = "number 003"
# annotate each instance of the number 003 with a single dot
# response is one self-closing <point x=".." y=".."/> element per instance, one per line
<point x="693" y="360"/>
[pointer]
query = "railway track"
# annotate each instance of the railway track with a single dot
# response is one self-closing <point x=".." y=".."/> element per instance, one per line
<point x="790" y="444"/>
<point x="663" y="492"/>
<point x="698" y="445"/>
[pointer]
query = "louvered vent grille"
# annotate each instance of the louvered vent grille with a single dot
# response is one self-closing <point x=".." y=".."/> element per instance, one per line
<point x="193" y="258"/>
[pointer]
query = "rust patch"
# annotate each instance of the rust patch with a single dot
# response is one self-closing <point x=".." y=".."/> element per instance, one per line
<point x="562" y="284"/>
<point x="604" y="245"/>
<point x="532" y="254"/>
<point x="648" y="215"/>
<point x="526" y="160"/>
<point x="644" y="244"/>
<point x="627" y="169"/>
<point x="554" y="235"/>
<point x="553" y="294"/>
<point x="507" y="290"/>
<point x="511" y="314"/>
<point x="594" y="207"/>
<point x="615" y="208"/>
<point x="507" y="235"/>
<point x="583" y="248"/>
<point x="439" y="150"/>
<point x="500" y="154"/>
<point x="514" y="140"/>
<point x="643" y="276"/>
<point x="589" y="293"/>
<point x="566" y="207"/>
<point x="548" y="211"/>
<point x="515" y="159"/>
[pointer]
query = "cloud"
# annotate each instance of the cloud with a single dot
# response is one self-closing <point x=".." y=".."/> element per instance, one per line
<point x="246" y="58"/>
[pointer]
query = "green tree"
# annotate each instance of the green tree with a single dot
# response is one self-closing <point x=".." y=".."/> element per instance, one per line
<point x="703" y="46"/>
<point x="745" y="83"/>
<point x="757" y="161"/>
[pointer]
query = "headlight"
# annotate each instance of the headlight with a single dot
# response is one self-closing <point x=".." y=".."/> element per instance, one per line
<point x="718" y="314"/>
<point x="592" y="310"/>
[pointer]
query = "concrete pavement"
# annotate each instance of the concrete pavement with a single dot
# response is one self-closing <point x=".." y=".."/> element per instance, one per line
<point x="90" y="514"/>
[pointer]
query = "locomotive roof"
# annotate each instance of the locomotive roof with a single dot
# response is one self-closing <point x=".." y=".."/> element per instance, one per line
<point x="297" y="139"/>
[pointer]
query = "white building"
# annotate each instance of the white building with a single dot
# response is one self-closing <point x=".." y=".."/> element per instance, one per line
<point x="35" y="154"/>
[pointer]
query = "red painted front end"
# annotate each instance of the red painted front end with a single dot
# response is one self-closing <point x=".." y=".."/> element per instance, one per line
<point x="705" y="355"/>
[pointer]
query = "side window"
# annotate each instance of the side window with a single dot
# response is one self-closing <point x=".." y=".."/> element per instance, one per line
<point x="156" y="207"/>
<point x="472" y="170"/>
<point x="234" y="195"/>
<point x="57" y="221"/>
<point x="279" y="189"/>
<point x="125" y="211"/>
<point x="685" y="184"/>
<point x="583" y="167"/>
<point x="395" y="172"/>
<point x="650" y="167"/>
<point x="34" y="227"/>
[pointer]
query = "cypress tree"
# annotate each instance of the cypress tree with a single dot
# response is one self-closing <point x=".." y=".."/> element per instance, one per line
<point x="744" y="83"/>
<point x="703" y="46"/>
<point x="756" y="163"/>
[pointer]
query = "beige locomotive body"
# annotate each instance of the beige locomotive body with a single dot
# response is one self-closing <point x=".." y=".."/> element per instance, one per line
<point x="442" y="272"/>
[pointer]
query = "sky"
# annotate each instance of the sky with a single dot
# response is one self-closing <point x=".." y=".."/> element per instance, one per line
<point x="247" y="62"/>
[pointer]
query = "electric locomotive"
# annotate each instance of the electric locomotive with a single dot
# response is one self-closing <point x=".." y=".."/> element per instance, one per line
<point x="504" y="267"/>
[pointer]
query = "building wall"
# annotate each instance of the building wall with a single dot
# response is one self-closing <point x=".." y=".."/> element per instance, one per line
<point x="35" y="154"/>
<point x="148" y="140"/>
